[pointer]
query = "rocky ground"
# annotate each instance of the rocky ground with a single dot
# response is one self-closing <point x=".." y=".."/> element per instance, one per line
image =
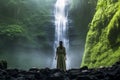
<point x="109" y="73"/>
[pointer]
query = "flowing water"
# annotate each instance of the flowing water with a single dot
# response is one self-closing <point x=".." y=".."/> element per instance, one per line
<point x="61" y="27"/>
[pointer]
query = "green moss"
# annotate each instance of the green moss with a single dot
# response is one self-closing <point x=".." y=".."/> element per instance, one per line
<point x="103" y="39"/>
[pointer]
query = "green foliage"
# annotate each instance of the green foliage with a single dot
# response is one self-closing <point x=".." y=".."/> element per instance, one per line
<point x="23" y="22"/>
<point x="11" y="31"/>
<point x="103" y="39"/>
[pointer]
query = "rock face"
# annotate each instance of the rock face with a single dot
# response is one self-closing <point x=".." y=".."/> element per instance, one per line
<point x="109" y="73"/>
<point x="103" y="39"/>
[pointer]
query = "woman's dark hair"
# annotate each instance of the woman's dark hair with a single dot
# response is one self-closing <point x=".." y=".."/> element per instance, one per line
<point x="60" y="42"/>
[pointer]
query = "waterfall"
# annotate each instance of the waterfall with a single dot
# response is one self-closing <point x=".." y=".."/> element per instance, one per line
<point x="61" y="27"/>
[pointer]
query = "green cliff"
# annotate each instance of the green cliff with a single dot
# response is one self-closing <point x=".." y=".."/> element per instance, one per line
<point x="103" y="38"/>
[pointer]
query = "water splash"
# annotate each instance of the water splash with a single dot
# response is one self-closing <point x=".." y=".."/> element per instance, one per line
<point x="61" y="27"/>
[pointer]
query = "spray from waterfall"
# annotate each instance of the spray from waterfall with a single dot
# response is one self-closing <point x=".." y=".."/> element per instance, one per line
<point x="61" y="27"/>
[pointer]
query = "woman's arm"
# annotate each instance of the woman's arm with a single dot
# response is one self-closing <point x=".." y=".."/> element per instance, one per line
<point x="56" y="54"/>
<point x="65" y="53"/>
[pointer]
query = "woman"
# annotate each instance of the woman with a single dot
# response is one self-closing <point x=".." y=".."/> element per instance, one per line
<point x="61" y="56"/>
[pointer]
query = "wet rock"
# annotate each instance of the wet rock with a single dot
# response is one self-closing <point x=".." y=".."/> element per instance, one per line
<point x="102" y="73"/>
<point x="45" y="71"/>
<point x="34" y="69"/>
<point x="86" y="77"/>
<point x="73" y="73"/>
<point x="13" y="72"/>
<point x="84" y="68"/>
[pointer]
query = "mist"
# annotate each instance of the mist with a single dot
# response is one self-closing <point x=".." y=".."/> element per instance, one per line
<point x="36" y="47"/>
<point x="27" y="59"/>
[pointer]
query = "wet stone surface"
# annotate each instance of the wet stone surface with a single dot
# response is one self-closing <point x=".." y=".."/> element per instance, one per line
<point x="109" y="73"/>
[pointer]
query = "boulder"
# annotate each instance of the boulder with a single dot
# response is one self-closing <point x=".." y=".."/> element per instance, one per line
<point x="3" y="64"/>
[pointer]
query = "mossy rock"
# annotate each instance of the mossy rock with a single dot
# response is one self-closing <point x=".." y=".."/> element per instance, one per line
<point x="103" y="38"/>
<point x="3" y="64"/>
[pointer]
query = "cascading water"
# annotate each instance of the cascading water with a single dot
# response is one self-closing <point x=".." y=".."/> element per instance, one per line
<point x="61" y="27"/>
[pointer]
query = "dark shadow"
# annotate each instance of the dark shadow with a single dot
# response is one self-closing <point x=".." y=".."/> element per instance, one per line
<point x="113" y="36"/>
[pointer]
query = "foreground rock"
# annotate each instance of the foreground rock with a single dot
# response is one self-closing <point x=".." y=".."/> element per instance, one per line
<point x="110" y="73"/>
<point x="3" y="64"/>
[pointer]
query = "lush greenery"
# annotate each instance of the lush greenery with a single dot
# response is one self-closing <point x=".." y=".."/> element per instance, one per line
<point x="27" y="27"/>
<point x="23" y="22"/>
<point x="26" y="32"/>
<point x="103" y="39"/>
